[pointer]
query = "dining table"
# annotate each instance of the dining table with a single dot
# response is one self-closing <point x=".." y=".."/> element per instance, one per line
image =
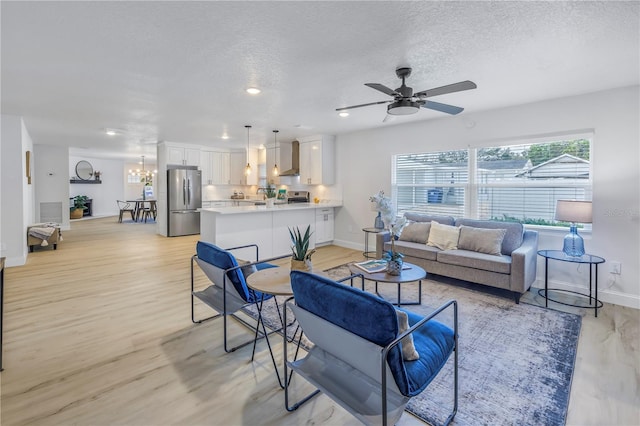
<point x="139" y="206"/>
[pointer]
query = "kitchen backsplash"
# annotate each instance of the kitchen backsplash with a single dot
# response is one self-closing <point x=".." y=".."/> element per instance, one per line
<point x="224" y="192"/>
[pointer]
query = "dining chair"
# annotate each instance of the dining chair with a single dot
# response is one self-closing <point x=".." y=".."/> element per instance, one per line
<point x="148" y="211"/>
<point x="125" y="207"/>
<point x="368" y="356"/>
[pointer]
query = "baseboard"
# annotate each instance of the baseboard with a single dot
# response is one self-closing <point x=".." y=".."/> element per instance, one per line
<point x="15" y="261"/>
<point x="349" y="245"/>
<point x="606" y="295"/>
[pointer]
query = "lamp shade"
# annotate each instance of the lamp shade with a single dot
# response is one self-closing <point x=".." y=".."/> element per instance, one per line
<point x="573" y="211"/>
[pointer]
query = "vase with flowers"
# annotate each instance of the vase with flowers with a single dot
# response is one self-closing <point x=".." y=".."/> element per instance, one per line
<point x="394" y="224"/>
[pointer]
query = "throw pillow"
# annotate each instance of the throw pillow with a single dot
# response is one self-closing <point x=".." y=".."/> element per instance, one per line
<point x="444" y="237"/>
<point x="409" y="352"/>
<point x="482" y="240"/>
<point x="416" y="232"/>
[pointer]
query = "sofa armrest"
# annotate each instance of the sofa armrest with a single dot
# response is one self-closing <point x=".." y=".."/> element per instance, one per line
<point x="381" y="238"/>
<point x="524" y="262"/>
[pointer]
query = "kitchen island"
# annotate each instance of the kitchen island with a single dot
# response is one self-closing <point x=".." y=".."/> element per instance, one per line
<point x="267" y="227"/>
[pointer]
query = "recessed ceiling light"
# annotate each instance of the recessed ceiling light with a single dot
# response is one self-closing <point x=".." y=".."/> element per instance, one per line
<point x="225" y="136"/>
<point x="111" y="132"/>
<point x="253" y="90"/>
<point x="343" y="114"/>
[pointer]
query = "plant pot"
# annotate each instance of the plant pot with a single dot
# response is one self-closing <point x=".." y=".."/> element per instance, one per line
<point x="394" y="267"/>
<point x="76" y="214"/>
<point x="270" y="202"/>
<point x="301" y="265"/>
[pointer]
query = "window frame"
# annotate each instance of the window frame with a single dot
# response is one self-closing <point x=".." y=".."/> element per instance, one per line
<point x="473" y="187"/>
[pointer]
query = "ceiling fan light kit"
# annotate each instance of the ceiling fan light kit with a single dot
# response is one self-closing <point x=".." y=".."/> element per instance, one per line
<point x="403" y="107"/>
<point x="405" y="102"/>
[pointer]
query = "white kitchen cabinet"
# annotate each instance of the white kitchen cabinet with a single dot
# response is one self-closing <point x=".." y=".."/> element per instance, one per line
<point x="317" y="160"/>
<point x="215" y="167"/>
<point x="206" y="168"/>
<point x="238" y="162"/>
<point x="324" y="225"/>
<point x="271" y="160"/>
<point x="182" y="155"/>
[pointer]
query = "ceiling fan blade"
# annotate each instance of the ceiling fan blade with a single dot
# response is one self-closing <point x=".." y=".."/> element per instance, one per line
<point x="449" y="109"/>
<point x="455" y="87"/>
<point x="362" y="105"/>
<point x="382" y="88"/>
<point x="388" y="118"/>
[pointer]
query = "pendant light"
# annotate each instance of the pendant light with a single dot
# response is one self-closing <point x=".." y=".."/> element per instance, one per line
<point x="247" y="170"/>
<point x="276" y="172"/>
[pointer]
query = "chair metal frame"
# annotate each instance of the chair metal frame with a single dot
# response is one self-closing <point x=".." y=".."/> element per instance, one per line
<point x="231" y="300"/>
<point x="127" y="208"/>
<point x="362" y="370"/>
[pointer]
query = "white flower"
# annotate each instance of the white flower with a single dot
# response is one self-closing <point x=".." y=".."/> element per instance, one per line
<point x="388" y="212"/>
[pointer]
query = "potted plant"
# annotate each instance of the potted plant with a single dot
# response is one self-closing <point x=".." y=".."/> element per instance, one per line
<point x="270" y="193"/>
<point x="79" y="206"/>
<point x="301" y="259"/>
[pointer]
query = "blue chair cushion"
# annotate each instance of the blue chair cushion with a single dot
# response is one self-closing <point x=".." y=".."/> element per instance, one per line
<point x="223" y="259"/>
<point x="434" y="342"/>
<point x="375" y="319"/>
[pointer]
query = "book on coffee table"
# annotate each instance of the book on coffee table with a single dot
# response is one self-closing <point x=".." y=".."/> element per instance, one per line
<point x="372" y="266"/>
<point x="376" y="265"/>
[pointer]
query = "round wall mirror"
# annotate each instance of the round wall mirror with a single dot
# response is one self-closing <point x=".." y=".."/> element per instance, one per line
<point x="84" y="170"/>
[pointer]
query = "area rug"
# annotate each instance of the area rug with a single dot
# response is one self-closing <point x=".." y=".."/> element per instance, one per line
<point x="515" y="361"/>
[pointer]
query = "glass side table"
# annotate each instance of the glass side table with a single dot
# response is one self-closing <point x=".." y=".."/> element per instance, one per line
<point x="369" y="254"/>
<point x="591" y="260"/>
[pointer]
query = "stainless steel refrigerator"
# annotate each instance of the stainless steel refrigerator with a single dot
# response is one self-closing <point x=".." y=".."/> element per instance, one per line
<point x="184" y="198"/>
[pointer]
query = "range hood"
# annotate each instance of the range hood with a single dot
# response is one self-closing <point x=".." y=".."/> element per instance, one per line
<point x="295" y="160"/>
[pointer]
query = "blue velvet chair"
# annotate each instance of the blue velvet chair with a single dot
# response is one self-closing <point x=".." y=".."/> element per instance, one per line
<point x="356" y="358"/>
<point x="228" y="291"/>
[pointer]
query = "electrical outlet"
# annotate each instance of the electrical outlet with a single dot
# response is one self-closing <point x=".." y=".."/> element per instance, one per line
<point x="616" y="268"/>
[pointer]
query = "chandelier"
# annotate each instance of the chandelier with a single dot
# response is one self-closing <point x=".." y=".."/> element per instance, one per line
<point x="145" y="176"/>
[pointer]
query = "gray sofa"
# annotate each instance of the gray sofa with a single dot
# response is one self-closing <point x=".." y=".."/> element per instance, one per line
<point x="512" y="268"/>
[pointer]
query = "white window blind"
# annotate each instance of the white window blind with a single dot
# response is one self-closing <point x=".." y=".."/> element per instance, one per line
<point x="432" y="182"/>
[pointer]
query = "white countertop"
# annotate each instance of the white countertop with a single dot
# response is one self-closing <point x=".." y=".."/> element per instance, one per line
<point x="274" y="209"/>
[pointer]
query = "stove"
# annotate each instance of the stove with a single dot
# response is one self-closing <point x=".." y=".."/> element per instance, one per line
<point x="297" y="197"/>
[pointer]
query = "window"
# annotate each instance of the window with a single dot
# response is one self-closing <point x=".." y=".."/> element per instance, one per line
<point x="433" y="182"/>
<point x="519" y="183"/>
<point x="133" y="178"/>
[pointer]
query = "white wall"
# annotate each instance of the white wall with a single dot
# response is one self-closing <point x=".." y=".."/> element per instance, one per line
<point x="104" y="195"/>
<point x="51" y="179"/>
<point x="17" y="195"/>
<point x="613" y="117"/>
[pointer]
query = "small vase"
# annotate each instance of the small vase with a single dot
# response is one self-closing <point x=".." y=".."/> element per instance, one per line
<point x="301" y="265"/>
<point x="270" y="202"/>
<point x="394" y="266"/>
<point x="379" y="224"/>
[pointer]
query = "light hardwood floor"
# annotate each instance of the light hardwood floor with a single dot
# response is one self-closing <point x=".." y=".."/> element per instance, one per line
<point x="98" y="332"/>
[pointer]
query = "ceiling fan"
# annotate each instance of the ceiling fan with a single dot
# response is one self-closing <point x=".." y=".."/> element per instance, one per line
<point x="406" y="102"/>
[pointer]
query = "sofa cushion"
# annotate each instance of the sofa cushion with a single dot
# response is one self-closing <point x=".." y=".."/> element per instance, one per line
<point x="472" y="259"/>
<point x="421" y="217"/>
<point x="482" y="240"/>
<point x="444" y="237"/>
<point x="417" y="250"/>
<point x="512" y="239"/>
<point x="417" y="232"/>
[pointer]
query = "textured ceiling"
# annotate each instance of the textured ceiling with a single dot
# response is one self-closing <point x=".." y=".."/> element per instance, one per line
<point x="177" y="71"/>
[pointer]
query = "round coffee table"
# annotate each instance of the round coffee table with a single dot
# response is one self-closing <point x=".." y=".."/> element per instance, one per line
<point x="411" y="274"/>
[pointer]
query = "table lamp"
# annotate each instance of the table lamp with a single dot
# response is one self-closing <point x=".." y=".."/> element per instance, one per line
<point x="573" y="212"/>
